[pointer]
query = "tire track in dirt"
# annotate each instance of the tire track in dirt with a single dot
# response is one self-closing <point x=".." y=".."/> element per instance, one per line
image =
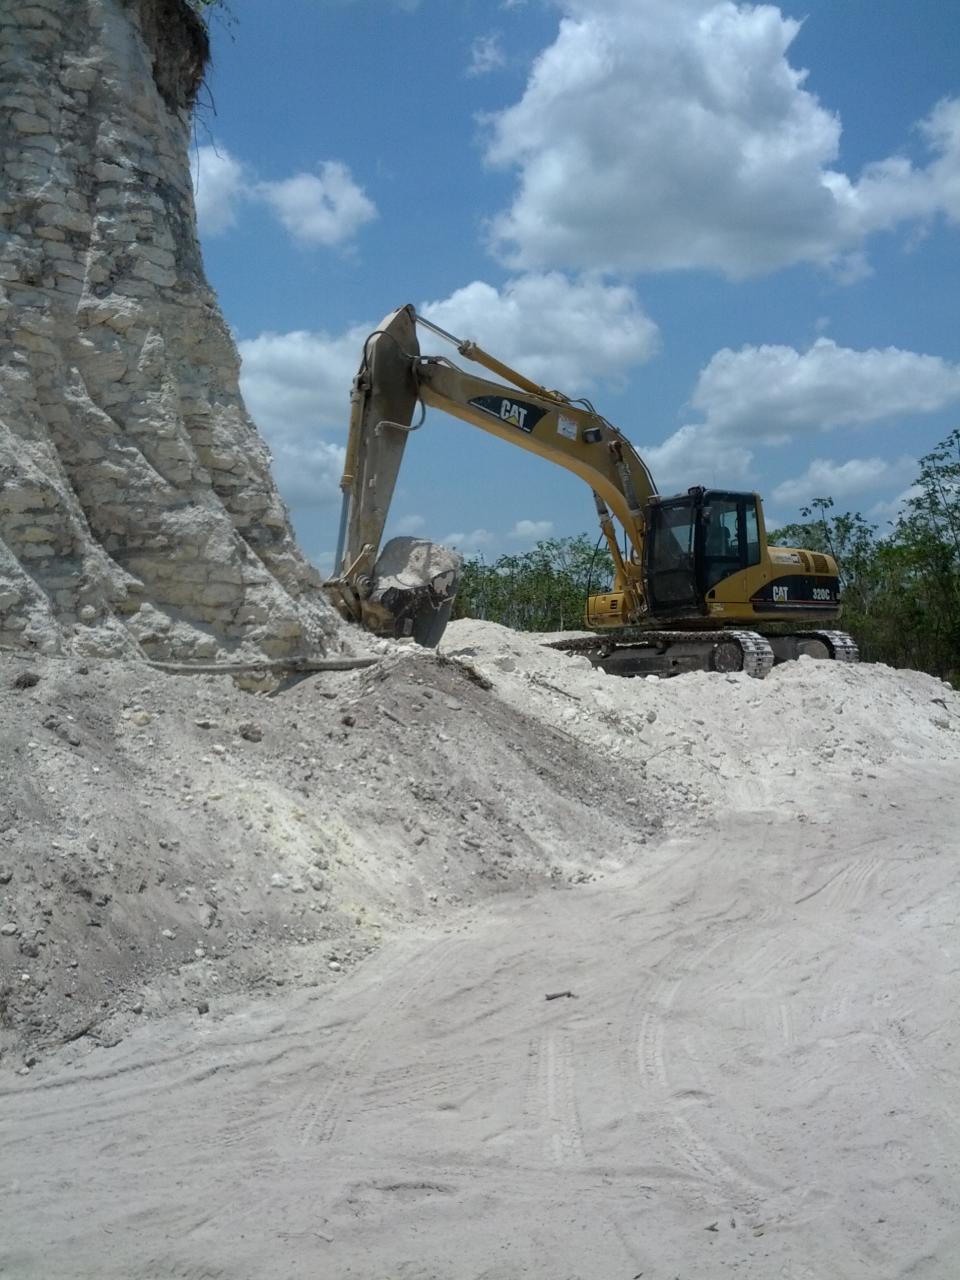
<point x="550" y="1101"/>
<point x="173" y="1268"/>
<point x="653" y="1065"/>
<point x="315" y="1116"/>
<point x="558" y="1088"/>
<point x="436" y="1084"/>
<point x="901" y="1059"/>
<point x="847" y="891"/>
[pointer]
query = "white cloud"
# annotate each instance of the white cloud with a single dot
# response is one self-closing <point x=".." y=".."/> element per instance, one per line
<point x="824" y="478"/>
<point x="894" y="190"/>
<point x="884" y="513"/>
<point x="307" y="471"/>
<point x="468" y="543"/>
<point x="219" y="185"/>
<point x="301" y="378"/>
<point x="407" y="525"/>
<point x="772" y="393"/>
<point x="693" y="455"/>
<point x="296" y="386"/>
<point x="568" y="334"/>
<point x="656" y="135"/>
<point x="531" y="530"/>
<point x="327" y="209"/>
<point x="486" y="55"/>
<point x="323" y="559"/>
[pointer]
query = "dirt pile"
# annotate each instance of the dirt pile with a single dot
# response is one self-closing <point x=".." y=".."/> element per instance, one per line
<point x="724" y="742"/>
<point x="164" y="839"/>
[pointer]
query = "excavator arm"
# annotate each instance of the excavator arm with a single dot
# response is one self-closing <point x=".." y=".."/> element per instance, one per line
<point x="412" y="582"/>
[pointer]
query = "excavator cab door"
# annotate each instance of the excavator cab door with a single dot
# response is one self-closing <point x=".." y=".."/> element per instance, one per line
<point x="671" y="554"/>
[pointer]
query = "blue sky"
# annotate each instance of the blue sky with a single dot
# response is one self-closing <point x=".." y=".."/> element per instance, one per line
<point x="735" y="227"/>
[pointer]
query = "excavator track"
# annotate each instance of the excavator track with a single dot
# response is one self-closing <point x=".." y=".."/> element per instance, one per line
<point x="757" y="654"/>
<point x="842" y="646"/>
<point x="674" y="652"/>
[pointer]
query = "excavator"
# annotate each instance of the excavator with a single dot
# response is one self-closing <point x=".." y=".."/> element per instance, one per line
<point x="696" y="585"/>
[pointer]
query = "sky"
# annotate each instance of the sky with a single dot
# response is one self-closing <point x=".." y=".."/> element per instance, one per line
<point x="735" y="227"/>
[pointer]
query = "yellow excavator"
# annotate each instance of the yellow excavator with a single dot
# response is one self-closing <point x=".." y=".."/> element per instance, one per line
<point x="696" y="585"/>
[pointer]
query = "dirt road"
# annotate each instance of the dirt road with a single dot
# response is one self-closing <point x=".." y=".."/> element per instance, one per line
<point x="756" y="1075"/>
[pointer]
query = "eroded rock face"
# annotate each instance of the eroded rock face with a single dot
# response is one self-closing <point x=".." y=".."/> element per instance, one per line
<point x="137" y="510"/>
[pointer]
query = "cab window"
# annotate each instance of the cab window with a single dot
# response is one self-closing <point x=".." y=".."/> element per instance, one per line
<point x="672" y="549"/>
<point x="751" y="526"/>
<point x="673" y="544"/>
<point x="731" y="537"/>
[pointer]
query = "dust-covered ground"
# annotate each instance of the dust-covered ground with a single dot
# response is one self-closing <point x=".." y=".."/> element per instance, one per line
<point x="275" y="972"/>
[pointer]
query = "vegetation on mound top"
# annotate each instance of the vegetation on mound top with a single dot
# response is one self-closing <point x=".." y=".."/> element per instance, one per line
<point x="901" y="589"/>
<point x="540" y="590"/>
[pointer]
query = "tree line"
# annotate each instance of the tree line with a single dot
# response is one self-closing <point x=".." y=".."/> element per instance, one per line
<point x="900" y="588"/>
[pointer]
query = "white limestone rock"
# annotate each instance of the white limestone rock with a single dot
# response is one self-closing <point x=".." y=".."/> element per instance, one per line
<point x="137" y="510"/>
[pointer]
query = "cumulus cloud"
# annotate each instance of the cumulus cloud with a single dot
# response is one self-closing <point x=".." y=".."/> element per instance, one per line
<point x="693" y="455"/>
<point x="326" y="209"/>
<point x="409" y="524"/>
<point x="297" y="387"/>
<point x="824" y="478"/>
<point x="219" y="185"/>
<point x="772" y="393"/>
<point x="531" y="530"/>
<point x="468" y="543"/>
<point x="301" y="377"/>
<point x="656" y="136"/>
<point x="889" y="512"/>
<point x="307" y="471"/>
<point x="323" y="559"/>
<point x="486" y="55"/>
<point x="569" y="334"/>
<point x="572" y="333"/>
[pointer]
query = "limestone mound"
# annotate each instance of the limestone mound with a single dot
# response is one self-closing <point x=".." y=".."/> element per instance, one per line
<point x="137" y="510"/>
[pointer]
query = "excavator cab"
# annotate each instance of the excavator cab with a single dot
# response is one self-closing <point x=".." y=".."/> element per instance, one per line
<point x="696" y="540"/>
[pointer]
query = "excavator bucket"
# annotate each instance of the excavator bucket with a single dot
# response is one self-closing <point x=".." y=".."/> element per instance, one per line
<point x="414" y="585"/>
